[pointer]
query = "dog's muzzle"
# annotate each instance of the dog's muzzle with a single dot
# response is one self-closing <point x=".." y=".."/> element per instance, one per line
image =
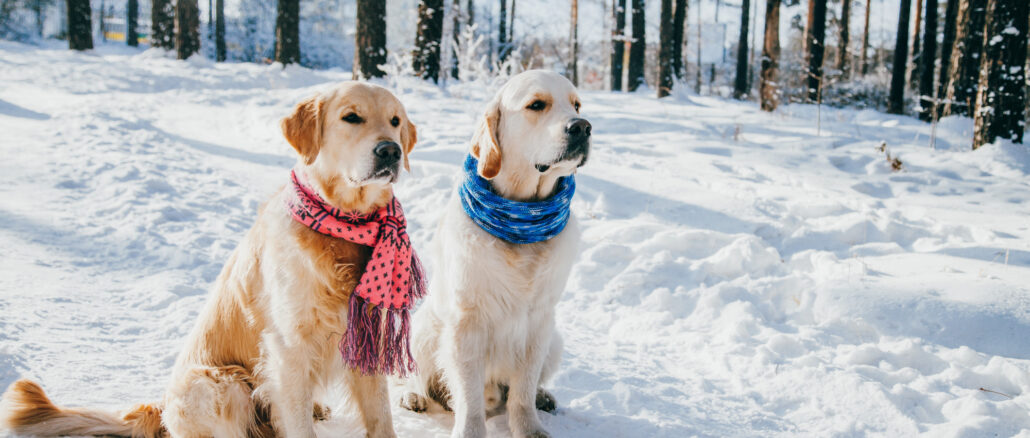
<point x="387" y="159"/>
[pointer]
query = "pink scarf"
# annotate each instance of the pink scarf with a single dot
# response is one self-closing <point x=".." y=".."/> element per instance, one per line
<point x="392" y="280"/>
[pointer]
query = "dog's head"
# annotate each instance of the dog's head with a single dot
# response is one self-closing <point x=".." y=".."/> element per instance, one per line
<point x="355" y="135"/>
<point x="532" y="125"/>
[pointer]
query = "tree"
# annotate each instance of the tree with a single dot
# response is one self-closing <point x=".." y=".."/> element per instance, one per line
<point x="914" y="72"/>
<point x="636" y="49"/>
<point x="678" y="20"/>
<point x="865" y="38"/>
<point x="426" y="61"/>
<point x="770" y="56"/>
<point x="80" y="26"/>
<point x="618" y="42"/>
<point x="162" y="24"/>
<point x="573" y="69"/>
<point x="896" y="99"/>
<point x="845" y="35"/>
<point x="665" y="42"/>
<point x="219" y="30"/>
<point x="947" y="44"/>
<point x="1001" y="98"/>
<point x="455" y="35"/>
<point x="287" y="32"/>
<point x="470" y="9"/>
<point x="964" y="75"/>
<point x="131" y="15"/>
<point x="815" y="48"/>
<point x="740" y="86"/>
<point x="502" y="33"/>
<point x="926" y="64"/>
<point x="370" y="39"/>
<point x="187" y="28"/>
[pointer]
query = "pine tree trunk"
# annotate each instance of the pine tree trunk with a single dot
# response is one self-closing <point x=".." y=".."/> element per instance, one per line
<point x="80" y="25"/>
<point x="470" y="7"/>
<point x="678" y="21"/>
<point x="287" y="32"/>
<point x="964" y="75"/>
<point x="370" y="39"/>
<point x="740" y="85"/>
<point x="131" y="15"/>
<point x="162" y="24"/>
<point x="896" y="100"/>
<point x="914" y="60"/>
<point x="636" y="49"/>
<point x="769" y="89"/>
<point x="816" y="34"/>
<point x="618" y="43"/>
<point x="865" y="39"/>
<point x="511" y="23"/>
<point x="502" y="32"/>
<point x="573" y="67"/>
<point x="426" y="59"/>
<point x="1001" y="98"/>
<point x="843" y="55"/>
<point x="665" y="42"/>
<point x="926" y="64"/>
<point x="455" y="36"/>
<point x="187" y="28"/>
<point x="220" y="30"/>
<point x="947" y="45"/>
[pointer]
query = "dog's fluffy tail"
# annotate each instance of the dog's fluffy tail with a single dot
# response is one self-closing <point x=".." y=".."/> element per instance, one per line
<point x="26" y="410"/>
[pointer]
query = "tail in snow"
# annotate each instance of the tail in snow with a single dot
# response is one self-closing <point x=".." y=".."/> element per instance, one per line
<point x="26" y="410"/>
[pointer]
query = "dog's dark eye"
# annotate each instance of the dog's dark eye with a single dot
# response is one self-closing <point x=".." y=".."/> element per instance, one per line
<point x="576" y="104"/>
<point x="395" y="121"/>
<point x="537" y="105"/>
<point x="353" y="118"/>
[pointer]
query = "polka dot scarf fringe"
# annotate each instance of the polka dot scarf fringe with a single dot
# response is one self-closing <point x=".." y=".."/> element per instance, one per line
<point x="379" y="320"/>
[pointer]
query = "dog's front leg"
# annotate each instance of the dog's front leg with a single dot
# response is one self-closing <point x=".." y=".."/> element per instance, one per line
<point x="371" y="395"/>
<point x="463" y="371"/>
<point x="522" y="415"/>
<point x="291" y="396"/>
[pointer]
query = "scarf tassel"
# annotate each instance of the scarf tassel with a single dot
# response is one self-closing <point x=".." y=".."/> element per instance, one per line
<point x="373" y="345"/>
<point x="418" y="278"/>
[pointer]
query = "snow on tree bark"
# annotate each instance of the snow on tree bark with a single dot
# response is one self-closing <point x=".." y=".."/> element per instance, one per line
<point x="843" y="51"/>
<point x="370" y="39"/>
<point x="426" y="59"/>
<point x="964" y="75"/>
<point x="1001" y="97"/>
<point x="947" y="45"/>
<point x="162" y="24"/>
<point x="816" y="34"/>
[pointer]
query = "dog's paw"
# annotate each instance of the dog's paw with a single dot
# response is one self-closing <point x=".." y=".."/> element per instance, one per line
<point x="414" y="402"/>
<point x="545" y="401"/>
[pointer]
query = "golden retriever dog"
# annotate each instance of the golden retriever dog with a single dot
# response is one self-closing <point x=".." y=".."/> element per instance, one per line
<point x="485" y="339"/>
<point x="265" y="347"/>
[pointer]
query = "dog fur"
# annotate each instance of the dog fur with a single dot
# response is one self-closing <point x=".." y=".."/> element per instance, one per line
<point x="485" y="337"/>
<point x="265" y="346"/>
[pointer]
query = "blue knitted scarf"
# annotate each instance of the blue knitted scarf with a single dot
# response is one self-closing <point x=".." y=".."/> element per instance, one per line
<point x="514" y="221"/>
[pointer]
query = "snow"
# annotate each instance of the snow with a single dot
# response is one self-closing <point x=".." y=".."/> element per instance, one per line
<point x="741" y="274"/>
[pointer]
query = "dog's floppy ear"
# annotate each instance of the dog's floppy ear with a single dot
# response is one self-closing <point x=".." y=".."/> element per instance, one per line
<point x="485" y="146"/>
<point x="409" y="135"/>
<point x="303" y="128"/>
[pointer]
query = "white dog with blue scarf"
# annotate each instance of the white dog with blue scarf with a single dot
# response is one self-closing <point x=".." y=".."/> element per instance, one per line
<point x="485" y="338"/>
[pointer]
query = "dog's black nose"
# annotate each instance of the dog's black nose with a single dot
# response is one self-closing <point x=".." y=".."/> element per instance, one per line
<point x="577" y="129"/>
<point x="387" y="152"/>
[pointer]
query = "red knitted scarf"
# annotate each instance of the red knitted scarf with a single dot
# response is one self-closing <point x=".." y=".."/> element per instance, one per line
<point x="392" y="280"/>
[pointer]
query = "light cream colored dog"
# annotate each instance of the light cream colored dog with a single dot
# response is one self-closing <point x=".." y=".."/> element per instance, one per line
<point x="266" y="344"/>
<point x="485" y="337"/>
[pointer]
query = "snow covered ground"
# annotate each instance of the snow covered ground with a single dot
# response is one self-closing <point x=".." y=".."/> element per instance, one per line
<point x="742" y="274"/>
